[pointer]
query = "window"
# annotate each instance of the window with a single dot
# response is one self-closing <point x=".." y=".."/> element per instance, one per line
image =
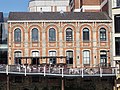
<point x="69" y="34"/>
<point x="52" y="34"/>
<point x="17" y="54"/>
<point x="35" y="35"/>
<point x="69" y="57"/>
<point x="117" y="46"/>
<point x="52" y="54"/>
<point x="17" y="35"/>
<point x="86" y="57"/>
<point x="118" y="3"/>
<point x="85" y="34"/>
<point x="103" y="58"/>
<point x="117" y="23"/>
<point x="35" y="59"/>
<point x="102" y="34"/>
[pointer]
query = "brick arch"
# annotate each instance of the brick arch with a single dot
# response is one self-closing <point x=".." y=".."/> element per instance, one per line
<point x="22" y="31"/>
<point x="107" y="28"/>
<point x="30" y="31"/>
<point x="103" y="26"/>
<point x="47" y="31"/>
<point x="86" y="26"/>
<point x="34" y="26"/>
<point x="69" y="26"/>
<point x="72" y="28"/>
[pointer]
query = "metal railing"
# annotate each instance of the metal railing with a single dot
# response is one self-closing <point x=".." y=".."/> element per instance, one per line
<point x="58" y="70"/>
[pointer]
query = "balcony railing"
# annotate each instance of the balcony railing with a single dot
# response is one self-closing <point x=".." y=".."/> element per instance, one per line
<point x="57" y="70"/>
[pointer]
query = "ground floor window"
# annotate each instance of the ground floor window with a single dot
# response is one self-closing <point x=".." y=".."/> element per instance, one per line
<point x="52" y="54"/>
<point x="35" y="59"/>
<point x="17" y="54"/>
<point x="86" y="57"/>
<point x="69" y="57"/>
<point x="103" y="58"/>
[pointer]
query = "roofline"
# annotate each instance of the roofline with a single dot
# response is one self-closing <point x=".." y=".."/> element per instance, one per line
<point x="59" y="21"/>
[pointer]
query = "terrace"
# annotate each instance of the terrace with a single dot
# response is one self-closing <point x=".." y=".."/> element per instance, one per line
<point x="57" y="70"/>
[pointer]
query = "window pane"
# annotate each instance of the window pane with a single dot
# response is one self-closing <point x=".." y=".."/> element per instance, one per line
<point x="69" y="57"/>
<point x="17" y="35"/>
<point x="69" y="36"/>
<point x="102" y="34"/>
<point x="52" y="34"/>
<point x="86" y="34"/>
<point x="17" y="54"/>
<point x="35" y="54"/>
<point x="86" y="57"/>
<point x="117" y="23"/>
<point x="52" y="60"/>
<point x="117" y="46"/>
<point x="35" y="35"/>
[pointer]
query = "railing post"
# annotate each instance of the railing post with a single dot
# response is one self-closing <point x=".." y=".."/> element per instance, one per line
<point x="82" y="73"/>
<point x="44" y="70"/>
<point x="100" y="72"/>
<point x="62" y="72"/>
<point x="116" y="71"/>
<point x="7" y="69"/>
<point x="25" y="71"/>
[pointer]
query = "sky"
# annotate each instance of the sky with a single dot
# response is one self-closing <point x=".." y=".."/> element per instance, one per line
<point x="7" y="6"/>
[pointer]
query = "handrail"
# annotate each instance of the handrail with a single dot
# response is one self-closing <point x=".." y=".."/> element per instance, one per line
<point x="58" y="71"/>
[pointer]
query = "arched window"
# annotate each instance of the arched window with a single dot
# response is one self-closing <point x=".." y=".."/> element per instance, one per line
<point x="102" y="34"/>
<point x="17" y="35"/>
<point x="34" y="35"/>
<point x="69" y="57"/>
<point x="103" y="58"/>
<point x="17" y="56"/>
<point x="52" y="54"/>
<point x="52" y="34"/>
<point x="85" y="34"/>
<point x="69" y="34"/>
<point x="86" y="57"/>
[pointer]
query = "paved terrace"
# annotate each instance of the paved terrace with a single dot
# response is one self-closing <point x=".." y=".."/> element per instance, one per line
<point x="59" y="71"/>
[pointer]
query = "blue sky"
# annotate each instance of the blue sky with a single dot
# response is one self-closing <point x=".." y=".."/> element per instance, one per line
<point x="7" y="6"/>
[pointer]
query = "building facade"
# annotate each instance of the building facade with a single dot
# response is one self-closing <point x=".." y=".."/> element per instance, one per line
<point x="83" y="40"/>
<point x="116" y="36"/>
<point x="91" y="6"/>
<point x="48" y="6"/>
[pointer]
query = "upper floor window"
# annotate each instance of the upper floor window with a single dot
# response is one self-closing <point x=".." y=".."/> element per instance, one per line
<point x="17" y="35"/>
<point x="117" y="46"/>
<point x="86" y="57"/>
<point x="117" y="23"/>
<point x="102" y="34"/>
<point x="69" y="34"/>
<point x="52" y="34"/>
<point x="85" y="34"/>
<point x="35" y="35"/>
<point x="17" y="54"/>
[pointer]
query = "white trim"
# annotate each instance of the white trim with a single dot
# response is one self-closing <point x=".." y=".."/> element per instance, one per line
<point x="89" y="7"/>
<point x="10" y="21"/>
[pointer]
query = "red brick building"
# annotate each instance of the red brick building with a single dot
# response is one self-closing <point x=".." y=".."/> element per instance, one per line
<point x="83" y="38"/>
